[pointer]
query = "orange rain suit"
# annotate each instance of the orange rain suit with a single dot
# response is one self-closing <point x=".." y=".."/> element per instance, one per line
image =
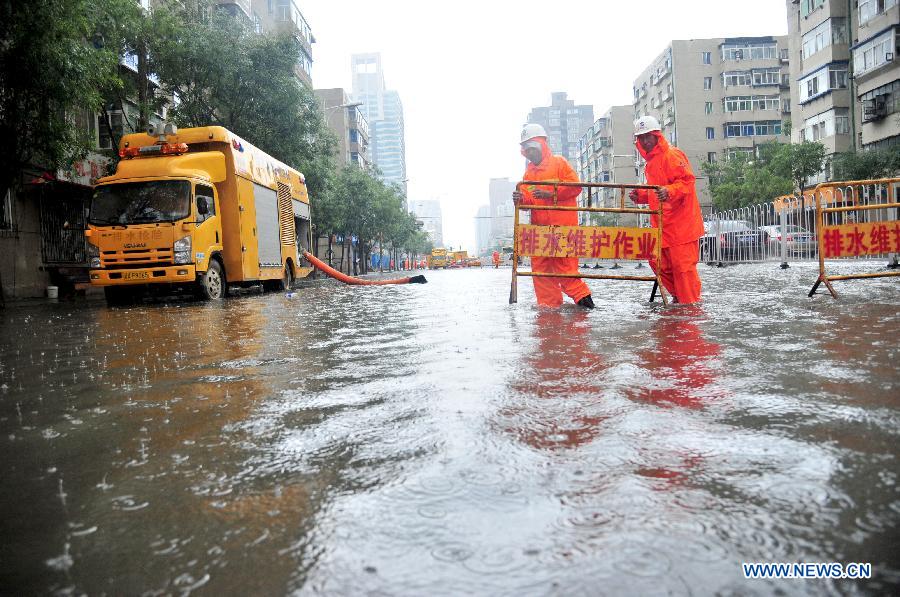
<point x="495" y="257"/>
<point x="554" y="168"/>
<point x="668" y="167"/>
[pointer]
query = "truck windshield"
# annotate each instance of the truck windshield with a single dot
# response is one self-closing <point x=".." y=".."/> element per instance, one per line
<point x="141" y="202"/>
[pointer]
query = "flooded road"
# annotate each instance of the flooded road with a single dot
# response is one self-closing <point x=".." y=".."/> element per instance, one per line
<point x="430" y="440"/>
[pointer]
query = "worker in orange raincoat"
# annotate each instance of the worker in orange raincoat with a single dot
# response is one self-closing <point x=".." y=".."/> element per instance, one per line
<point x="670" y="169"/>
<point x="495" y="257"/>
<point x="544" y="166"/>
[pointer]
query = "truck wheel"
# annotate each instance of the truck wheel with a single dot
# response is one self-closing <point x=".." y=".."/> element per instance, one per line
<point x="212" y="284"/>
<point x="118" y="295"/>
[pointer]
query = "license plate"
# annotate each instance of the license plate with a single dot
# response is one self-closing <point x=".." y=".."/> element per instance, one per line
<point x="136" y="275"/>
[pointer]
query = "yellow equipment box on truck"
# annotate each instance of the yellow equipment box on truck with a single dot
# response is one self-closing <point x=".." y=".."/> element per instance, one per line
<point x="459" y="258"/>
<point x="198" y="207"/>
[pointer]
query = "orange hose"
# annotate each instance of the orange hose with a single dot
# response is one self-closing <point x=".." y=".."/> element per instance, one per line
<point x="357" y="281"/>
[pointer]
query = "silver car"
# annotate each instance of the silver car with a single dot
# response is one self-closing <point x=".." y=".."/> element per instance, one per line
<point x="800" y="241"/>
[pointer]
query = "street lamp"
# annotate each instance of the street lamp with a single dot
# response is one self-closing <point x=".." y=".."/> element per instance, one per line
<point x="350" y="105"/>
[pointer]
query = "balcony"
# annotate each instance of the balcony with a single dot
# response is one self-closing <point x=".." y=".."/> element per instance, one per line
<point x="236" y="8"/>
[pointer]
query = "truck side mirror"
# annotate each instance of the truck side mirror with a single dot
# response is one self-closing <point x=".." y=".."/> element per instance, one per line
<point x="202" y="205"/>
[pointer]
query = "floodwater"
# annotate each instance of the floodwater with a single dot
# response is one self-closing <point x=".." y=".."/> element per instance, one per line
<point x="432" y="439"/>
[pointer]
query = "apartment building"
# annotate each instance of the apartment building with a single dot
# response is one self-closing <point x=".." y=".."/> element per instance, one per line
<point x="607" y="154"/>
<point x="564" y="122"/>
<point x="285" y="16"/>
<point x="716" y="98"/>
<point x="347" y="122"/>
<point x="846" y="93"/>
<point x="876" y="72"/>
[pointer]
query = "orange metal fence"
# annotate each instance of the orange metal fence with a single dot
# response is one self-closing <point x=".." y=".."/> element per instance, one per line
<point x="597" y="242"/>
<point x="855" y="219"/>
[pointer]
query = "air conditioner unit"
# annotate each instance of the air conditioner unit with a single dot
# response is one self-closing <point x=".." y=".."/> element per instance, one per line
<point x="888" y="56"/>
<point x="875" y="108"/>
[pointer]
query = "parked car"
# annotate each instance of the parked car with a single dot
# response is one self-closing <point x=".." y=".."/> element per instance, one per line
<point x="800" y="241"/>
<point x="731" y="240"/>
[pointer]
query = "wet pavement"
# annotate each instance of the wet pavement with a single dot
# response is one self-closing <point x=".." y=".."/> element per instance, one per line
<point x="430" y="440"/>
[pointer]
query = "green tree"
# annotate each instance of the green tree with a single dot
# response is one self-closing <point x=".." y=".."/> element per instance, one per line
<point x="743" y="180"/>
<point x="249" y="89"/>
<point x="799" y="162"/>
<point x="51" y="70"/>
<point x="867" y="165"/>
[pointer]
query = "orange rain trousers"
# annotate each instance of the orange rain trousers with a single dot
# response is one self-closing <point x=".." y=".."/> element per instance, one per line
<point x="549" y="290"/>
<point x="678" y="271"/>
<point x="554" y="168"/>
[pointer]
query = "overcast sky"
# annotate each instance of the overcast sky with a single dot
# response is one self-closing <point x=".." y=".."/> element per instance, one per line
<point x="468" y="72"/>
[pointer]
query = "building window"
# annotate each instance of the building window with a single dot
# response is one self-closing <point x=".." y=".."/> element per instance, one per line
<point x="708" y="108"/>
<point x="767" y="51"/>
<point x="736" y="78"/>
<point x="869" y="9"/>
<point x="6" y="218"/>
<point x="786" y="106"/>
<point x="881" y="101"/>
<point x="707" y="83"/>
<point x="706" y="57"/>
<point x="812" y="87"/>
<point x="737" y="103"/>
<point x="751" y="129"/>
<point x="766" y="76"/>
<point x="711" y="157"/>
<point x="807" y="6"/>
<point x="837" y="77"/>
<point x="832" y="31"/>
<point x="874" y="53"/>
<point x="710" y="132"/>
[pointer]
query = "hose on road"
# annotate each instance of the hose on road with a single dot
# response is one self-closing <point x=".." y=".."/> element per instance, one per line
<point x="318" y="263"/>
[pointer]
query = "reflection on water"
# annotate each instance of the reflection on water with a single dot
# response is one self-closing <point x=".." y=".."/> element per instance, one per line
<point x="433" y="439"/>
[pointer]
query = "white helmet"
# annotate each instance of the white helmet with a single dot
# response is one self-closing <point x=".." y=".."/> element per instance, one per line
<point x="530" y="131"/>
<point x="645" y="124"/>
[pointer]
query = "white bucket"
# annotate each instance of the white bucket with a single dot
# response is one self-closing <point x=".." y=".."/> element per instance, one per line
<point x="52" y="292"/>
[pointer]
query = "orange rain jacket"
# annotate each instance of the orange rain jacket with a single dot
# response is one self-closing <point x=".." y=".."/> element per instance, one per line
<point x="668" y="167"/>
<point x="553" y="168"/>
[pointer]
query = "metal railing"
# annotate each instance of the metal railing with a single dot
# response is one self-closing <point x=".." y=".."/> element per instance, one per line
<point x="785" y="230"/>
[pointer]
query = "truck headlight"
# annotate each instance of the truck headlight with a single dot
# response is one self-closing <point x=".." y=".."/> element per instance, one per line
<point x="183" y="244"/>
<point x="183" y="250"/>
<point x="95" y="263"/>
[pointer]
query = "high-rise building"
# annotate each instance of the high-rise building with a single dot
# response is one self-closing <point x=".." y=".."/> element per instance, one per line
<point x="607" y="154"/>
<point x="564" y="122"/>
<point x="429" y="213"/>
<point x="483" y="230"/>
<point x="716" y="98"/>
<point x="500" y="192"/>
<point x="346" y="121"/>
<point x="384" y="112"/>
<point x="844" y="62"/>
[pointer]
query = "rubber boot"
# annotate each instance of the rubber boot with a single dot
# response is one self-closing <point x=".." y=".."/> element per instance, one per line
<point x="587" y="302"/>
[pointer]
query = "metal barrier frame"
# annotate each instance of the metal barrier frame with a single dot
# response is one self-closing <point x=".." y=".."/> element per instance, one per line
<point x="853" y="186"/>
<point x="657" y="286"/>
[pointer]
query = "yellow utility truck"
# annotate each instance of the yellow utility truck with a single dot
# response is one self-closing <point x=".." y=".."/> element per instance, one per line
<point x="438" y="258"/>
<point x="199" y="208"/>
